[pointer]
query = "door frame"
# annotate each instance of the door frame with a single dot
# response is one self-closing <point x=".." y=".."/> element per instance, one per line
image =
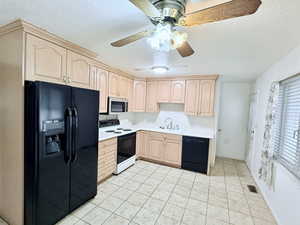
<point x="252" y="127"/>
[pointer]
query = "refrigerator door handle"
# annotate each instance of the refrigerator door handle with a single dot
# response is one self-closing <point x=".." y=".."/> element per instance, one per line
<point x="75" y="134"/>
<point x="68" y="134"/>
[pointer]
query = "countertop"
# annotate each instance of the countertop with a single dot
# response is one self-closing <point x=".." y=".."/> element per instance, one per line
<point x="199" y="132"/>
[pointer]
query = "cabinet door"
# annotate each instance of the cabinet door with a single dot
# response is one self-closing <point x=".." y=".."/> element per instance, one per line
<point x="164" y="91"/>
<point x="207" y="97"/>
<point x="155" y="147"/>
<point x="139" y="96"/>
<point x="123" y="87"/>
<point x="113" y="85"/>
<point x="178" y="91"/>
<point x="103" y="77"/>
<point x="191" y="97"/>
<point x="45" y="61"/>
<point x="130" y="96"/>
<point x="78" y="70"/>
<point x="107" y="158"/>
<point x="172" y="151"/>
<point x="152" y="105"/>
<point x="99" y="82"/>
<point x="141" y="144"/>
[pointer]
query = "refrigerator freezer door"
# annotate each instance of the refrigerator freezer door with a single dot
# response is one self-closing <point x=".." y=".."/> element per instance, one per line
<point x="47" y="169"/>
<point x="84" y="160"/>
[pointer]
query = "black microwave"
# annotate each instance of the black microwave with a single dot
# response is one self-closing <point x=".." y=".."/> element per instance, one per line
<point x="117" y="105"/>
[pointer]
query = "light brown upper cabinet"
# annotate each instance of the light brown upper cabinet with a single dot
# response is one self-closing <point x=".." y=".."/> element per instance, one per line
<point x="45" y="61"/>
<point x="191" y="97"/>
<point x="207" y="96"/>
<point x="130" y="95"/>
<point x="200" y="97"/>
<point x="139" y="93"/>
<point x="78" y="70"/>
<point x="152" y="105"/>
<point x="118" y="86"/>
<point x="99" y="82"/>
<point x="171" y="91"/>
<point x="164" y="91"/>
<point x="114" y="85"/>
<point x="123" y="87"/>
<point x="177" y="91"/>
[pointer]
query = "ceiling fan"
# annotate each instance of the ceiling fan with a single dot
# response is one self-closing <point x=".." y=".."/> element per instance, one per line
<point x="166" y="15"/>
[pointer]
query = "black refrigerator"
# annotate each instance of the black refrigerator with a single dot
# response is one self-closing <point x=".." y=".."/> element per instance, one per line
<point x="61" y="150"/>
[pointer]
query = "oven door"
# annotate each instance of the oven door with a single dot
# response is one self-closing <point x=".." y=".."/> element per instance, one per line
<point x="126" y="147"/>
<point x="117" y="106"/>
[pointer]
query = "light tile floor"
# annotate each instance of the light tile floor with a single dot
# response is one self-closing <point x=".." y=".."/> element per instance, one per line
<point x="148" y="194"/>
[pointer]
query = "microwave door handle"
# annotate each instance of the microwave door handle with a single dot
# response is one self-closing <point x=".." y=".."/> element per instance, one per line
<point x="68" y="132"/>
<point x="75" y="134"/>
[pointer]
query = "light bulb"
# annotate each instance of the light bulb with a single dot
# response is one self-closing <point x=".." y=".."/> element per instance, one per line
<point x="160" y="69"/>
<point x="179" y="38"/>
<point x="165" y="38"/>
<point x="161" y="38"/>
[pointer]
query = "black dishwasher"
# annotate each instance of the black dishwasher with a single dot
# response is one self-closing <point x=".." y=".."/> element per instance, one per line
<point x="195" y="154"/>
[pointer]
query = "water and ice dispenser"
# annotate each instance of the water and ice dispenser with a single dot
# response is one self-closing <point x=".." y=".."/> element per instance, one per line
<point x="54" y="136"/>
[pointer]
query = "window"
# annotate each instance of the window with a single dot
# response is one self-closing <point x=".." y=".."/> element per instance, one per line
<point x="287" y="125"/>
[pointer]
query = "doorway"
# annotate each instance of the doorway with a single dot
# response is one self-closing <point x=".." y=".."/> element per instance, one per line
<point x="233" y="120"/>
<point x="251" y="129"/>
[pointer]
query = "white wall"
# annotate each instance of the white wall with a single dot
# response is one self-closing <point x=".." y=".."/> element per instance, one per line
<point x="285" y="200"/>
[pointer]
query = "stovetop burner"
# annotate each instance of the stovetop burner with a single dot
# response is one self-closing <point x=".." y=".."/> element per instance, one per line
<point x="127" y="130"/>
<point x="117" y="132"/>
<point x="109" y="131"/>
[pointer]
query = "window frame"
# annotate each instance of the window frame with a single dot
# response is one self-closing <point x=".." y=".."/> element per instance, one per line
<point x="282" y="114"/>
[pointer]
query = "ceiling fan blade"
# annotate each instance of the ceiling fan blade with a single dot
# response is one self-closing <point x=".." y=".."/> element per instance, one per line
<point x="147" y="7"/>
<point x="234" y="8"/>
<point x="197" y="6"/>
<point x="185" y="50"/>
<point x="130" y="39"/>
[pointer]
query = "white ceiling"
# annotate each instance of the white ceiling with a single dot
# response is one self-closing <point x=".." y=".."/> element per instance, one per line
<point x="240" y="48"/>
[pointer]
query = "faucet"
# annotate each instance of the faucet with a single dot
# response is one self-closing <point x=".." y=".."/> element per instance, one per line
<point x="169" y="123"/>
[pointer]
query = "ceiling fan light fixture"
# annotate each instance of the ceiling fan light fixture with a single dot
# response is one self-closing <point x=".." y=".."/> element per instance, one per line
<point x="166" y="38"/>
<point x="161" y="37"/>
<point x="160" y="69"/>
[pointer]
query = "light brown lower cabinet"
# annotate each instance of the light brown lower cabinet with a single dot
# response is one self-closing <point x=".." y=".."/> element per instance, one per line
<point x="160" y="147"/>
<point x="141" y="141"/>
<point x="107" y="158"/>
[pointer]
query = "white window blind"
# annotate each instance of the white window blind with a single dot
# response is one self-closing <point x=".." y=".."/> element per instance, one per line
<point x="287" y="125"/>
